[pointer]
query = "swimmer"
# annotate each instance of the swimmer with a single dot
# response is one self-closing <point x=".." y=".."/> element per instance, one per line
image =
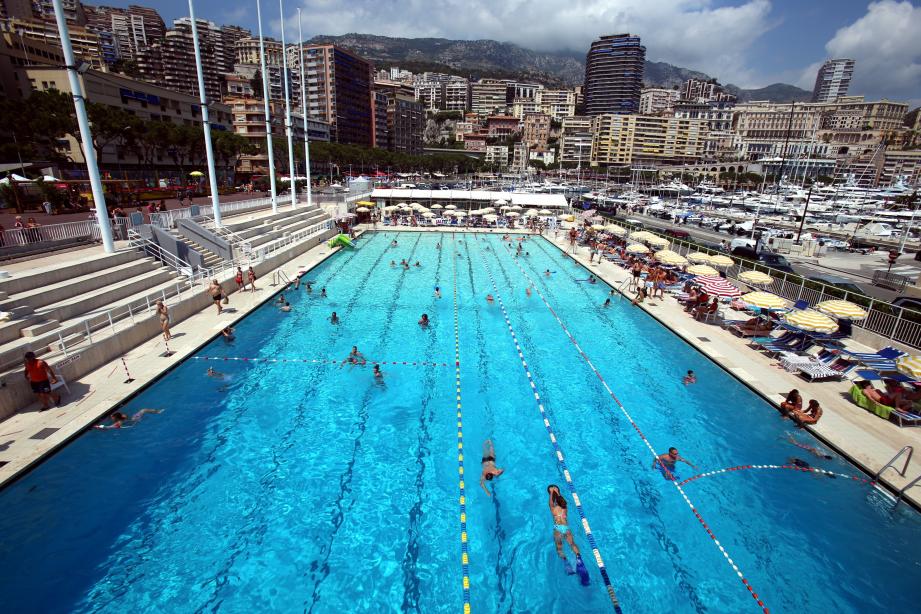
<point x="393" y="243"/>
<point x="120" y="420"/>
<point x="528" y="290"/>
<point x="547" y="272"/>
<point x="286" y="307"/>
<point x="690" y="378"/>
<point x="424" y="320"/>
<point x="460" y="255"/>
<point x="227" y="333"/>
<point x="281" y="299"/>
<point x="592" y="280"/>
<point x="309" y="286"/>
<point x="215" y="374"/>
<point x="560" y="514"/>
<point x="334" y="318"/>
<point x="798" y="462"/>
<point x="393" y="263"/>
<point x="378" y="374"/>
<point x="666" y="463"/>
<point x="490" y="299"/>
<point x="354" y="358"/>
<point x="417" y="264"/>
<point x="814" y="450"/>
<point x="607" y="302"/>
<point x="438" y="245"/>
<point x="488" y="463"/>
<point x="322" y="292"/>
<point x="437" y="292"/>
<point x="527" y="253"/>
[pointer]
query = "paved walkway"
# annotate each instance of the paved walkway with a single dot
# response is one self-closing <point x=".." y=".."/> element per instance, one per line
<point x="29" y="435"/>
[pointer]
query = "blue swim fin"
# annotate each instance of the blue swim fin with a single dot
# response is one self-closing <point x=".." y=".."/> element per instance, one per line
<point x="568" y="567"/>
<point x="582" y="571"/>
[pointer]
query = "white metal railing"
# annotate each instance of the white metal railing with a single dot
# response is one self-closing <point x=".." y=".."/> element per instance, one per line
<point x="277" y="245"/>
<point x="137" y="242"/>
<point x="898" y="324"/>
<point x="50" y="232"/>
<point x="167" y="219"/>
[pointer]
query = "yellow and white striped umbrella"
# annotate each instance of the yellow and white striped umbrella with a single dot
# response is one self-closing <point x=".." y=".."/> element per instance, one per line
<point x="698" y="257"/>
<point x="909" y="365"/>
<point x="702" y="269"/>
<point x="842" y="309"/>
<point x="667" y="256"/>
<point x="598" y="227"/>
<point x="657" y="241"/>
<point x="615" y="229"/>
<point x="637" y="248"/>
<point x="756" y="278"/>
<point x="811" y="320"/>
<point x="764" y="300"/>
<point x="641" y="235"/>
<point x="721" y="261"/>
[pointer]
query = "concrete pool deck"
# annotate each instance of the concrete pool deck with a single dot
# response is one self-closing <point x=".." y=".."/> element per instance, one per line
<point x="29" y="435"/>
<point x="860" y="436"/>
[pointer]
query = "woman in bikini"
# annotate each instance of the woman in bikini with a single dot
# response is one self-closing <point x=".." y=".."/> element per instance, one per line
<point x="163" y="313"/>
<point x="490" y="470"/>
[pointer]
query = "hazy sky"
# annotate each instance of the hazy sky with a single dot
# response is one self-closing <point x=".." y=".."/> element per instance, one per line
<point x="751" y="43"/>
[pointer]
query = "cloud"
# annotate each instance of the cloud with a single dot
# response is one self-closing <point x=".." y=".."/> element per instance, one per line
<point x="886" y="45"/>
<point x="692" y="33"/>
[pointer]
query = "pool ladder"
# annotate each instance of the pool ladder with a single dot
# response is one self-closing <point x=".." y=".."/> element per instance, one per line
<point x="279" y="277"/>
<point x="620" y="288"/>
<point x="909" y="450"/>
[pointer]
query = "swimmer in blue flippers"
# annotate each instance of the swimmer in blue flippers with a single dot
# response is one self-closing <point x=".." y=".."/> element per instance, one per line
<point x="558" y="509"/>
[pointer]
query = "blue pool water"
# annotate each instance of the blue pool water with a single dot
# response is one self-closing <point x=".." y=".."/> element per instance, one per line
<point x="307" y="487"/>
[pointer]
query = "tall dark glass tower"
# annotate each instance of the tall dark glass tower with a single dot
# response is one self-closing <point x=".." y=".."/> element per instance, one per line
<point x="614" y="75"/>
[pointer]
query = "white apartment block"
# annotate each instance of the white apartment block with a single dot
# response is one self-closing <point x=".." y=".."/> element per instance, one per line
<point x="655" y="100"/>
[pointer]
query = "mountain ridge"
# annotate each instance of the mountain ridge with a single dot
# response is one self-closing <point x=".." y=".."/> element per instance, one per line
<point x="491" y="58"/>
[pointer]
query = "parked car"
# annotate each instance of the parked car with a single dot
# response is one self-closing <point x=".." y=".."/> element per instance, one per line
<point x="908" y="302"/>
<point x="838" y="282"/>
<point x="678" y="234"/>
<point x="775" y="261"/>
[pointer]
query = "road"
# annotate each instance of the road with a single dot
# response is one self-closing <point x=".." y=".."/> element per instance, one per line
<point x="854" y="267"/>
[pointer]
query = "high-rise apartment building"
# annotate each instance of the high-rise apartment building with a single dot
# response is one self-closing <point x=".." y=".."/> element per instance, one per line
<point x="557" y="103"/>
<point x="248" y="65"/>
<point x="338" y="91"/>
<point x="73" y="11"/>
<point x="405" y="124"/>
<point x="833" y="80"/>
<point x="628" y="139"/>
<point x="488" y="96"/>
<point x="87" y="45"/>
<point x="576" y="140"/>
<point x="20" y="9"/>
<point x="536" y="130"/>
<point x="698" y="90"/>
<point x="655" y="100"/>
<point x="134" y="28"/>
<point x="614" y="74"/>
<point x="178" y="57"/>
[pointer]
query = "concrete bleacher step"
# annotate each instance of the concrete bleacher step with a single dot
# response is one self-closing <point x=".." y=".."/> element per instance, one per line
<point x="53" y="274"/>
<point x="56" y="292"/>
<point x="73" y="330"/>
<point x="37" y="329"/>
<point x="291" y="225"/>
<point x="83" y="303"/>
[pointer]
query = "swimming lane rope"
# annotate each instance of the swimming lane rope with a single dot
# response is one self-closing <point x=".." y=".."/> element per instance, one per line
<point x="646" y="441"/>
<point x="323" y="361"/>
<point x="561" y="461"/>
<point x="465" y="558"/>
<point x="707" y="474"/>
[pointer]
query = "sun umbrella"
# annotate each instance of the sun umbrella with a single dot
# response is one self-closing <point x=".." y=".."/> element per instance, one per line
<point x="657" y="241"/>
<point x="756" y="278"/>
<point x="720" y="261"/>
<point x="402" y="205"/>
<point x="512" y="214"/>
<point x="811" y="321"/>
<point x="842" y="309"/>
<point x="388" y="209"/>
<point x="450" y="207"/>
<point x="490" y="217"/>
<point x="641" y="235"/>
<point x="698" y="257"/>
<point x="909" y="365"/>
<point x="702" y="269"/>
<point x="717" y="286"/>
<point x="667" y="256"/>
<point x="362" y="209"/>
<point x="598" y="227"/>
<point x="566" y="218"/>
<point x="365" y="203"/>
<point x="637" y="248"/>
<point x="414" y="205"/>
<point x="437" y="206"/>
<point x="516" y="207"/>
<point x="545" y="212"/>
<point x="530" y="213"/>
<point x="196" y="174"/>
<point x="615" y="229"/>
<point x="764" y="300"/>
<point x="428" y="214"/>
<point x="487" y="210"/>
<point x="501" y="201"/>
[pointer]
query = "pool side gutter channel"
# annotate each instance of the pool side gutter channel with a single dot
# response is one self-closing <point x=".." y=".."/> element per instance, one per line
<point x="29" y="467"/>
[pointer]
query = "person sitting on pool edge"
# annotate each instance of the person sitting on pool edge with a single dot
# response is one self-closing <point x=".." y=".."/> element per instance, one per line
<point x="488" y="463"/>
<point x="793" y="403"/>
<point x="560" y="514"/>
<point x="810" y="416"/>
<point x="665" y="463"/>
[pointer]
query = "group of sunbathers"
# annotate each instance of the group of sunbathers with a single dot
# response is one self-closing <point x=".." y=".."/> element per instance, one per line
<point x="896" y="395"/>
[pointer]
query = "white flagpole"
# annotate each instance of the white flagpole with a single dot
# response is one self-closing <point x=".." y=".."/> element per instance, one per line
<point x="268" y="118"/>
<point x="288" y="127"/>
<point x="300" y="36"/>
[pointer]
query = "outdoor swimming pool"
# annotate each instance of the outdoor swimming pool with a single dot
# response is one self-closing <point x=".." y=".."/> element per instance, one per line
<point x="303" y="486"/>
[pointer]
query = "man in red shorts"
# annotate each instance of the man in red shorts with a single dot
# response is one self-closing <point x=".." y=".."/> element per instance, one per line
<point x="41" y="377"/>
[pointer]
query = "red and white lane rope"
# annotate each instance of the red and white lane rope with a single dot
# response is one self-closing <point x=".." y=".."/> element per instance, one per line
<point x="646" y="441"/>
<point x="561" y="461"/>
<point x="707" y="474"/>
<point x="323" y="361"/>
